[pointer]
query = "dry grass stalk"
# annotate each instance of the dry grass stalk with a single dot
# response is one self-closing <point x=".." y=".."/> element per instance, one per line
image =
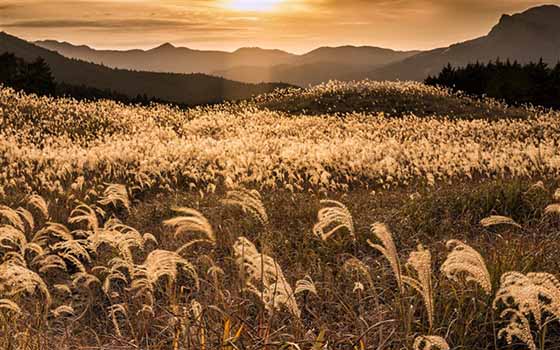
<point x="115" y="194"/>
<point x="160" y="264"/>
<point x="191" y="221"/>
<point x="533" y="294"/>
<point x="356" y="265"/>
<point x="388" y="250"/>
<point x="430" y="342"/>
<point x="495" y="220"/>
<point x="336" y="216"/>
<point x="263" y="270"/>
<point x="464" y="260"/>
<point x="250" y="201"/>
<point x="16" y="279"/>
<point x="421" y="262"/>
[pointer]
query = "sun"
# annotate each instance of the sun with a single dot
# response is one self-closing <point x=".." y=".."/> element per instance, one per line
<point x="253" y="5"/>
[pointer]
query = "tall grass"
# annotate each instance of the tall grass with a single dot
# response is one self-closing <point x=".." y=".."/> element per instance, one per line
<point x="96" y="267"/>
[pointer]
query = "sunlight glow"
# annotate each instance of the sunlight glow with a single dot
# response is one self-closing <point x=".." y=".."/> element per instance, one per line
<point x="253" y="5"/>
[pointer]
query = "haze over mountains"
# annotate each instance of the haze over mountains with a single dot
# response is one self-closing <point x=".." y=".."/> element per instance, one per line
<point x="524" y="37"/>
<point x="253" y="65"/>
<point x="188" y="89"/>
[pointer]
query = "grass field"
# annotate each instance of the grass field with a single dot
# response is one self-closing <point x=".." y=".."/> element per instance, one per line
<point x="348" y="216"/>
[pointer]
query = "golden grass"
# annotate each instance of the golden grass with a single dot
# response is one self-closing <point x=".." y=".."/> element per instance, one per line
<point x="78" y="265"/>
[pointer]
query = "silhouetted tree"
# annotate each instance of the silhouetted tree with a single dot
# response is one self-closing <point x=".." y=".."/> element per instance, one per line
<point x="34" y="77"/>
<point x="516" y="84"/>
<point x="40" y="77"/>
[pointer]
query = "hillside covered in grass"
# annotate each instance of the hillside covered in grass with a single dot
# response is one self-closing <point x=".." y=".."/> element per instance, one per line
<point x="290" y="221"/>
<point x="50" y="143"/>
<point x="392" y="99"/>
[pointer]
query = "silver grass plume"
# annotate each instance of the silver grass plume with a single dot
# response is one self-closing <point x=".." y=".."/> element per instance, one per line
<point x="358" y="286"/>
<point x="115" y="194"/>
<point x="552" y="209"/>
<point x="39" y="203"/>
<point x="13" y="239"/>
<point x="115" y="271"/>
<point x="74" y="250"/>
<point x="531" y="294"/>
<point x="9" y="305"/>
<point x="260" y="268"/>
<point x="16" y="279"/>
<point x="430" y="342"/>
<point x="52" y="230"/>
<point x="63" y="310"/>
<point x="160" y="264"/>
<point x="421" y="262"/>
<point x="495" y="220"/>
<point x="86" y="214"/>
<point x="519" y="327"/>
<point x="388" y="250"/>
<point x="464" y="260"/>
<point x="46" y="262"/>
<point x="191" y="221"/>
<point x="556" y="195"/>
<point x="336" y="216"/>
<point x="27" y="216"/>
<point x="250" y="201"/>
<point x="305" y="284"/>
<point x="120" y="237"/>
<point x="12" y="216"/>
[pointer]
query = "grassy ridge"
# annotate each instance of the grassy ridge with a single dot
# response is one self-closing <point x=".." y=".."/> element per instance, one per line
<point x="394" y="99"/>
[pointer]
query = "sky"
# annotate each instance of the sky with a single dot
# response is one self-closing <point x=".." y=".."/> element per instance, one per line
<point x="292" y="25"/>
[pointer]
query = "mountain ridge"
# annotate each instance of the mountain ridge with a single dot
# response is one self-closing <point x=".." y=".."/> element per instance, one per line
<point x="525" y="37"/>
<point x="191" y="89"/>
<point x="250" y="64"/>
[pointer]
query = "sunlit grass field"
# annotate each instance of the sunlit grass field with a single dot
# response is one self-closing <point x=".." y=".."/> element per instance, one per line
<point x="359" y="215"/>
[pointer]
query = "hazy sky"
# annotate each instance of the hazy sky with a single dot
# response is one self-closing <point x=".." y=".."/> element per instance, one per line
<point x="293" y="25"/>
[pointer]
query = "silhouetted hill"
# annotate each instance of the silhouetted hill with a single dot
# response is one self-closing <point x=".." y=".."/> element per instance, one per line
<point x="252" y="65"/>
<point x="524" y="37"/>
<point x="181" y="88"/>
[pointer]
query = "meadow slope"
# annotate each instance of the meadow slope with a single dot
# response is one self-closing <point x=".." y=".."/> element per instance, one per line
<point x="357" y="215"/>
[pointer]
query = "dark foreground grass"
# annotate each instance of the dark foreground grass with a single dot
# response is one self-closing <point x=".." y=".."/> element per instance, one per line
<point x="339" y="316"/>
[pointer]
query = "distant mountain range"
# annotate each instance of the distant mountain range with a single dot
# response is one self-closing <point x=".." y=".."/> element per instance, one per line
<point x="525" y="37"/>
<point x="252" y="65"/>
<point x="188" y="89"/>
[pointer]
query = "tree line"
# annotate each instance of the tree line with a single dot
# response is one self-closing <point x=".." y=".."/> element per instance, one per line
<point x="533" y="83"/>
<point x="36" y="78"/>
